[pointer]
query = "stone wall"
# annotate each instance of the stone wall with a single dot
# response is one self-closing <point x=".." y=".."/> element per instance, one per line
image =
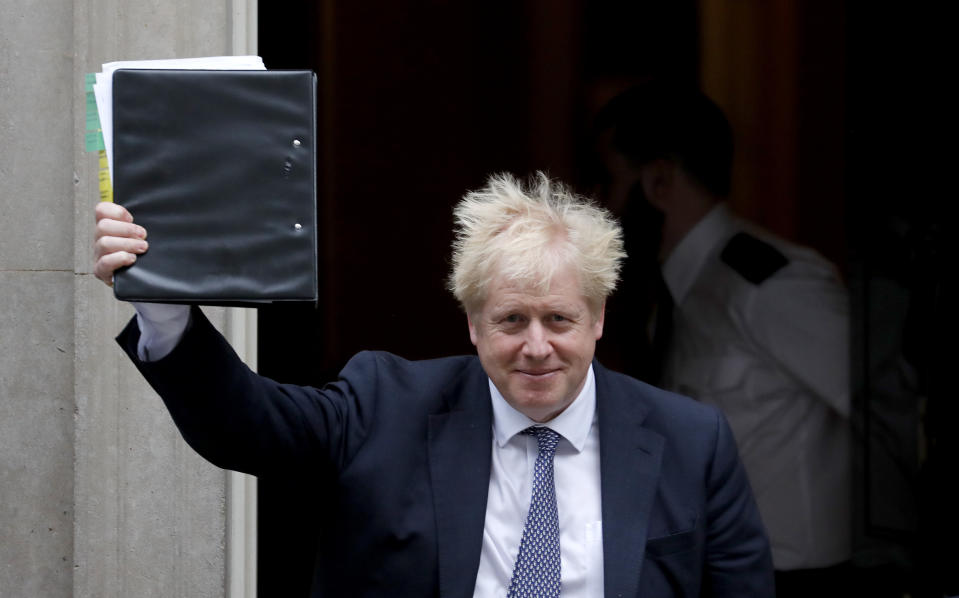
<point x="99" y="496"/>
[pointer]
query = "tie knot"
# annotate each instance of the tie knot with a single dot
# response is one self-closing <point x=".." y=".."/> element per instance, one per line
<point x="547" y="438"/>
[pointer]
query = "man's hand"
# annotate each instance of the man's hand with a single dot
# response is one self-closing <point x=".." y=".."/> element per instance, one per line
<point x="118" y="241"/>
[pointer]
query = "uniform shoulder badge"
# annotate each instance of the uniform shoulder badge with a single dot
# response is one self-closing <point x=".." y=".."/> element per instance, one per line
<point x="752" y="258"/>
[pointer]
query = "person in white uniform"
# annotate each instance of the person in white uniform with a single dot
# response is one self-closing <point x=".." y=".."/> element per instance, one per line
<point x="759" y="326"/>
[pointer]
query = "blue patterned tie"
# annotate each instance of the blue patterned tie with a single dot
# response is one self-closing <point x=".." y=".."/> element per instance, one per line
<point x="537" y="570"/>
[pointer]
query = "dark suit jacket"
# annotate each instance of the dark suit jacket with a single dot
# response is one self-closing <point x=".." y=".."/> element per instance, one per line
<point x="404" y="448"/>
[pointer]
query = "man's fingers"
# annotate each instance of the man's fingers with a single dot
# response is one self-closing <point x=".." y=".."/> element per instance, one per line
<point x="110" y="263"/>
<point x="117" y="240"/>
<point x="108" y="209"/>
<point x="107" y="245"/>
<point x="109" y="227"/>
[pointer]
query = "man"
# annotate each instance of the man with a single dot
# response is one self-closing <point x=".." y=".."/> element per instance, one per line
<point x="526" y="471"/>
<point x="759" y="327"/>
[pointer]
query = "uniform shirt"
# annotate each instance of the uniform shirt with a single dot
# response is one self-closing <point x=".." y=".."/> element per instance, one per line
<point x="761" y="330"/>
<point x="576" y="474"/>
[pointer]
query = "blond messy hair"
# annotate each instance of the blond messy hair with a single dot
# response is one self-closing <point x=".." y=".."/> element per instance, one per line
<point x="526" y="233"/>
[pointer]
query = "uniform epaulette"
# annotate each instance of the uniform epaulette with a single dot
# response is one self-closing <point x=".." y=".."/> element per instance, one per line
<point x="754" y="259"/>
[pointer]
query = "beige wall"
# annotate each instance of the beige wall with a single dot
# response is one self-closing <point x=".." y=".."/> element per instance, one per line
<point x="99" y="496"/>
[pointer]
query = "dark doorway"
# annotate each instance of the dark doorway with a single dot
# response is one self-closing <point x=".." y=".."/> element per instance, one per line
<point x="420" y="101"/>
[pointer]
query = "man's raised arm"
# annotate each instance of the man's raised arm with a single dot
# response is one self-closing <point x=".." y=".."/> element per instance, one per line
<point x="117" y="243"/>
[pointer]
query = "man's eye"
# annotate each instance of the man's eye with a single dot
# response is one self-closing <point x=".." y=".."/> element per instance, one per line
<point x="511" y="319"/>
<point x="558" y="318"/>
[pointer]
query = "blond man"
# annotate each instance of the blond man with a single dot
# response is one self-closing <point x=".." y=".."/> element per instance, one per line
<point x="525" y="470"/>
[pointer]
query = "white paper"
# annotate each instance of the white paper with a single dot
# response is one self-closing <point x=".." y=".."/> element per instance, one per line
<point x="103" y="87"/>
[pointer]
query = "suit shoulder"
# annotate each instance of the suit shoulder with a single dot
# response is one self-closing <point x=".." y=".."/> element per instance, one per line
<point x="385" y="357"/>
<point x="383" y="363"/>
<point x="663" y="405"/>
<point x="752" y="258"/>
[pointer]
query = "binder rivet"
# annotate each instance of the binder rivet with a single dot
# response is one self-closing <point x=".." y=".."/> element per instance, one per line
<point x="297" y="226"/>
<point x="297" y="143"/>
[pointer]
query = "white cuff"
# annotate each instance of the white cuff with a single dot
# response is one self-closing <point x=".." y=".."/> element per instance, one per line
<point x="161" y="327"/>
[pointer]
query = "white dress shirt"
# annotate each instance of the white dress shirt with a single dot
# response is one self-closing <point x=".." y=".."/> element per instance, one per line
<point x="578" y="500"/>
<point x="774" y="356"/>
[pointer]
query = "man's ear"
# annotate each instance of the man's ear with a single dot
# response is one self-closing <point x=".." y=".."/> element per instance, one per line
<point x="469" y="322"/>
<point x="599" y="320"/>
<point x="658" y="178"/>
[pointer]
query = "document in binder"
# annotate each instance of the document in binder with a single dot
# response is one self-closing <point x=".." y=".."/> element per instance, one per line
<point x="219" y="167"/>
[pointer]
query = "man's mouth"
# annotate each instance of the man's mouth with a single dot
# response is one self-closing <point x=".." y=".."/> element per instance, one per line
<point x="537" y="372"/>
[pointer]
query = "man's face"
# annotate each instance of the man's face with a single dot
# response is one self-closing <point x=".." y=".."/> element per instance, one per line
<point x="537" y="348"/>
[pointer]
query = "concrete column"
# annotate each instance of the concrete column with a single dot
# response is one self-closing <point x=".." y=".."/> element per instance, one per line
<point x="152" y="518"/>
<point x="36" y="298"/>
<point x="99" y="496"/>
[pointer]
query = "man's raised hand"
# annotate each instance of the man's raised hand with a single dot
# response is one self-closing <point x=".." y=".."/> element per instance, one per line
<point x="118" y="240"/>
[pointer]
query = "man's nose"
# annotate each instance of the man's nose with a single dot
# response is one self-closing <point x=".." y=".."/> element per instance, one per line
<point x="537" y="345"/>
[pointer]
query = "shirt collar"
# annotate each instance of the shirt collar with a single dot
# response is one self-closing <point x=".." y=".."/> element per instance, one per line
<point x="682" y="266"/>
<point x="572" y="424"/>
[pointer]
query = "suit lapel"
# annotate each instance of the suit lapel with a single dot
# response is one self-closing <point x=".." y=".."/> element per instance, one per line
<point x="630" y="457"/>
<point x="460" y="442"/>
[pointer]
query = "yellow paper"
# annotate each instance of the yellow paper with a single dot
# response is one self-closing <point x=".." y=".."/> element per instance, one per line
<point x="106" y="189"/>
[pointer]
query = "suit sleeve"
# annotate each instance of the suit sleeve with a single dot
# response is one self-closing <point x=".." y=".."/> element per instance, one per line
<point x="239" y="420"/>
<point x="738" y="558"/>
